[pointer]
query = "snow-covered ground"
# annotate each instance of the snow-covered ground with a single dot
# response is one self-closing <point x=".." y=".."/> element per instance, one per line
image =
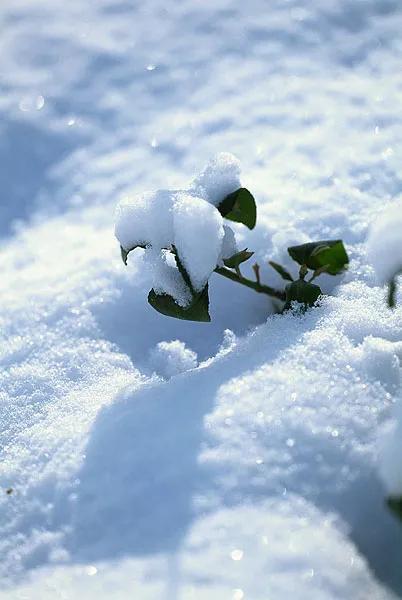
<point x="241" y="460"/>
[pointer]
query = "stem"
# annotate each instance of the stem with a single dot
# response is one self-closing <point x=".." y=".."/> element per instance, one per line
<point x="392" y="293"/>
<point x="256" y="269"/>
<point x="254" y="285"/>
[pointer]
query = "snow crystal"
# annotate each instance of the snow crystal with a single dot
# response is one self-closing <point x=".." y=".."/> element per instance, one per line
<point x="384" y="244"/>
<point x="172" y="358"/>
<point x="220" y="177"/>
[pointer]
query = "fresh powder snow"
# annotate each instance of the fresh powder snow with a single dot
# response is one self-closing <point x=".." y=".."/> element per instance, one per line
<point x="145" y="457"/>
<point x="220" y="177"/>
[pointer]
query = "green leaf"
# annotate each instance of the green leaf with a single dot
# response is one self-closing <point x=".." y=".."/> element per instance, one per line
<point x="391" y="297"/>
<point x="318" y="272"/>
<point x="395" y="506"/>
<point x="240" y="207"/>
<point x="282" y="272"/>
<point x="238" y="258"/>
<point x="196" y="311"/>
<point x="303" y="292"/>
<point x="328" y="254"/>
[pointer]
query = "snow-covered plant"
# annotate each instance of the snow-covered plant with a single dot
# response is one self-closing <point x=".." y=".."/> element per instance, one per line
<point x="186" y="237"/>
<point x="384" y="247"/>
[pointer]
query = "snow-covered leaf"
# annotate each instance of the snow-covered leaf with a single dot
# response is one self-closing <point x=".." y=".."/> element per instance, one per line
<point x="197" y="310"/>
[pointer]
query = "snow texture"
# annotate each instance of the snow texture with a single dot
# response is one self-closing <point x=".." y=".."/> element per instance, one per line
<point x="220" y="178"/>
<point x="146" y="220"/>
<point x="253" y="472"/>
<point x="198" y="237"/>
<point x="384" y="244"/>
<point x="172" y="358"/>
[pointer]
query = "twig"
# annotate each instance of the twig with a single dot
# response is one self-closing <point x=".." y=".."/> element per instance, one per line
<point x="255" y="285"/>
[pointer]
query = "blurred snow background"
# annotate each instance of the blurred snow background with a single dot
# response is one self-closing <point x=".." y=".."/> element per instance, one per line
<point x="254" y="475"/>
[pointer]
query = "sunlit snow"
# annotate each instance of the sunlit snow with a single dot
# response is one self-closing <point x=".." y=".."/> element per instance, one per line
<point x="145" y="457"/>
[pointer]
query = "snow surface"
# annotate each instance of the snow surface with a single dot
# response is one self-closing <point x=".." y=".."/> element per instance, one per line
<point x="254" y="474"/>
<point x="385" y="243"/>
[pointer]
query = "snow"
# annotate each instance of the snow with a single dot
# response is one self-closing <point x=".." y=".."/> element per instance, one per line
<point x="153" y="458"/>
<point x="145" y="220"/>
<point x="198" y="237"/>
<point x="220" y="177"/>
<point x="291" y="549"/>
<point x="229" y="245"/>
<point x="390" y="450"/>
<point x="172" y="358"/>
<point x="384" y="244"/>
<point x="390" y="435"/>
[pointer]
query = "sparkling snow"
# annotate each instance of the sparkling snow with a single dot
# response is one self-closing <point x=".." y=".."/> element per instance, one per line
<point x="152" y="458"/>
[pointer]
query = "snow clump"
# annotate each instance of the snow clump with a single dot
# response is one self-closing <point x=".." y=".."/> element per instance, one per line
<point x="220" y="177"/>
<point x="171" y="358"/>
<point x="187" y="220"/>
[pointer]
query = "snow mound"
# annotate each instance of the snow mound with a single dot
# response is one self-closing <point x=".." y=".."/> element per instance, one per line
<point x="292" y="549"/>
<point x="384" y="244"/>
<point x="171" y="358"/>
